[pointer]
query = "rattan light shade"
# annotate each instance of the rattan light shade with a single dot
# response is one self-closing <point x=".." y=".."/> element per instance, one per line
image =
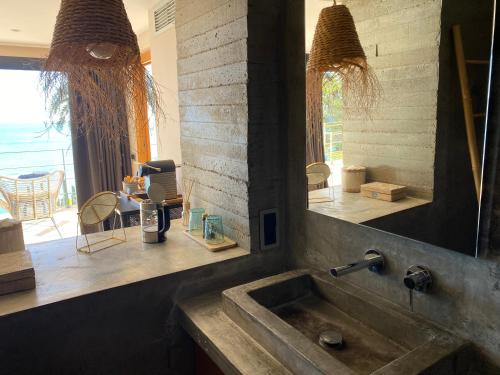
<point x="336" y="48"/>
<point x="95" y="53"/>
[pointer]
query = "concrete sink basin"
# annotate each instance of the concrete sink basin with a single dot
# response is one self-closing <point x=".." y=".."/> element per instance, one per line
<point x="288" y="314"/>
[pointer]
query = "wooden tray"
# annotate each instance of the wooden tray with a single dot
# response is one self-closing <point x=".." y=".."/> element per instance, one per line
<point x="227" y="244"/>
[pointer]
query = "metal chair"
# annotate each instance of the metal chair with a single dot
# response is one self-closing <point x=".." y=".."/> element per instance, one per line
<point x="32" y="198"/>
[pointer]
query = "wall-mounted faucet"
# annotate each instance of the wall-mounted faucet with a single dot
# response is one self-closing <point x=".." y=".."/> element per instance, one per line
<point x="373" y="260"/>
<point x="417" y="278"/>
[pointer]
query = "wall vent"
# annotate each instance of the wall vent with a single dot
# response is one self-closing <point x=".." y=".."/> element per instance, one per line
<point x="164" y="15"/>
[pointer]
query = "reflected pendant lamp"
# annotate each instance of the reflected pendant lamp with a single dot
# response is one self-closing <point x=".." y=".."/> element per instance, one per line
<point x="95" y="55"/>
<point x="336" y="48"/>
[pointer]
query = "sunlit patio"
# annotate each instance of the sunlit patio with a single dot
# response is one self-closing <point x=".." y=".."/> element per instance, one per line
<point x="43" y="230"/>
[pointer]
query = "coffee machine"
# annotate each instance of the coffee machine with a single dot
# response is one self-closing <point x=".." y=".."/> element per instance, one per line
<point x="161" y="172"/>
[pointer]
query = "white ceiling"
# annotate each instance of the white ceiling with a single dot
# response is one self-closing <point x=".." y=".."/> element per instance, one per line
<point x="35" y="20"/>
<point x="313" y="8"/>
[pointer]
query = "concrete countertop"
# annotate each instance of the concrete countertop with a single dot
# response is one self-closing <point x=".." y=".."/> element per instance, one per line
<point x="356" y="208"/>
<point x="63" y="273"/>
<point x="226" y="344"/>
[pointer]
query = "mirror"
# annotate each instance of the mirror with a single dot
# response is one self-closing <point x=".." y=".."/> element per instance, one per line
<point x="412" y="165"/>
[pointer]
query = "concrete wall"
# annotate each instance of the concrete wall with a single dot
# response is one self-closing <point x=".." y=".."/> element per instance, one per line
<point x="266" y="126"/>
<point x="466" y="297"/>
<point x="231" y="97"/>
<point x="212" y="65"/>
<point x="454" y="203"/>
<point x="164" y="66"/>
<point x="401" y="41"/>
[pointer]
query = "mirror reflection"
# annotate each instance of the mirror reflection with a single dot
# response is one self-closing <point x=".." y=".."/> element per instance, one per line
<point x="410" y="162"/>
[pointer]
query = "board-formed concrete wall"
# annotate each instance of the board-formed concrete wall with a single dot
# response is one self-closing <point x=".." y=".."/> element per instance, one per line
<point x="213" y="76"/>
<point x="401" y="41"/>
<point x="231" y="96"/>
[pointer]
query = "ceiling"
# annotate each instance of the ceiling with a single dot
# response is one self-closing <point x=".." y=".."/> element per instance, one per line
<point x="313" y="8"/>
<point x="31" y="22"/>
<point x="35" y="19"/>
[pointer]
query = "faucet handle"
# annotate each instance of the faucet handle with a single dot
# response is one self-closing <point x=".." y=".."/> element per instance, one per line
<point x="418" y="278"/>
<point x="377" y="259"/>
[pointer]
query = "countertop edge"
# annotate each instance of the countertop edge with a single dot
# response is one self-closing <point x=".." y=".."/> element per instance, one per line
<point x="202" y="317"/>
<point x="71" y="296"/>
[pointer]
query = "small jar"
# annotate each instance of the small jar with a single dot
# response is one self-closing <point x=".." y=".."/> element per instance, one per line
<point x="352" y="178"/>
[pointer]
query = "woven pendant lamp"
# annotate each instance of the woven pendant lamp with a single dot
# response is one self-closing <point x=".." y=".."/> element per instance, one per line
<point x="95" y="53"/>
<point x="336" y="48"/>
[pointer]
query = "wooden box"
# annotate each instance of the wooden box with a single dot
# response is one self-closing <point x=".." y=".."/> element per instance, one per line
<point x="383" y="191"/>
<point x="11" y="236"/>
<point x="16" y="272"/>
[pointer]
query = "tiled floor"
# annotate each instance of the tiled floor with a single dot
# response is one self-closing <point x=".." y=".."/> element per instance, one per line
<point x="43" y="230"/>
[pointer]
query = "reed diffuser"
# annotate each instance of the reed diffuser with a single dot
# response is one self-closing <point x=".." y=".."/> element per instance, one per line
<point x="186" y="204"/>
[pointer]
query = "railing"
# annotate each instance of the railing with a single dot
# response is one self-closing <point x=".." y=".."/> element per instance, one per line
<point x="43" y="161"/>
<point x="333" y="141"/>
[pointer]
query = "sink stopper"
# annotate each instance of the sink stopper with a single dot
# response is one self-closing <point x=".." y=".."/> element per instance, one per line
<point x="331" y="339"/>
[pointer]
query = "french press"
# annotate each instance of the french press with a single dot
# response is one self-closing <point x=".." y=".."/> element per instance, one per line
<point x="155" y="217"/>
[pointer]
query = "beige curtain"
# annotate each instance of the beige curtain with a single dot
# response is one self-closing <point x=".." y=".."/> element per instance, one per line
<point x="100" y="162"/>
<point x="314" y="119"/>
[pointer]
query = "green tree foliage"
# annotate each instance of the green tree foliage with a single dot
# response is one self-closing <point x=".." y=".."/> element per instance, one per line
<point x="57" y="104"/>
<point x="332" y="98"/>
<point x="332" y="116"/>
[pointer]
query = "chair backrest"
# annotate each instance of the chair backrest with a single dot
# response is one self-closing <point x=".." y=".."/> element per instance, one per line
<point x="32" y="198"/>
<point x="317" y="173"/>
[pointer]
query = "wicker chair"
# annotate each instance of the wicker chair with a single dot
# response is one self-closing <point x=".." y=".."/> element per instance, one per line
<point x="32" y="198"/>
<point x="317" y="175"/>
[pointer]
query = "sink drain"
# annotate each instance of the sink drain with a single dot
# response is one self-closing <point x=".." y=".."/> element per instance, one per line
<point x="331" y="339"/>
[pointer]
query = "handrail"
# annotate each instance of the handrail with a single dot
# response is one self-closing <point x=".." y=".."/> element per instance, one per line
<point x="63" y="165"/>
<point x="23" y="152"/>
<point x="36" y="166"/>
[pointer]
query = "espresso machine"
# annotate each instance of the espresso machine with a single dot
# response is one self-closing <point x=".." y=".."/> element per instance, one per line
<point x="162" y="172"/>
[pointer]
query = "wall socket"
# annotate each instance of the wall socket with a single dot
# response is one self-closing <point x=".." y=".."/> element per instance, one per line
<point x="269" y="229"/>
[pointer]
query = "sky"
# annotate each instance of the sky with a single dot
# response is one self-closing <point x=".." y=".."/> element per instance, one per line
<point x="21" y="100"/>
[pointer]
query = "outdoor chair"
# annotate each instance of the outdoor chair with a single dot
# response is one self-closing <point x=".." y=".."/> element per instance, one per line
<point x="317" y="175"/>
<point x="32" y="198"/>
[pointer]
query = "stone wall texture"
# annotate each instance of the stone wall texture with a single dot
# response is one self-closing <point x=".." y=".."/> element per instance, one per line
<point x="401" y="41"/>
<point x="212" y="64"/>
<point x="231" y="95"/>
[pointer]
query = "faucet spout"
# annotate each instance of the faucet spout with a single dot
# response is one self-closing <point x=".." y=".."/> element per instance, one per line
<point x="373" y="260"/>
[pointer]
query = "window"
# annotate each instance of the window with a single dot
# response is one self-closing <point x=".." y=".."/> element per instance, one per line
<point x="153" y="133"/>
<point x="332" y="126"/>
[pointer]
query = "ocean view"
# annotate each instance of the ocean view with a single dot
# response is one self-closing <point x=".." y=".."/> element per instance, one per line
<point x="26" y="148"/>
